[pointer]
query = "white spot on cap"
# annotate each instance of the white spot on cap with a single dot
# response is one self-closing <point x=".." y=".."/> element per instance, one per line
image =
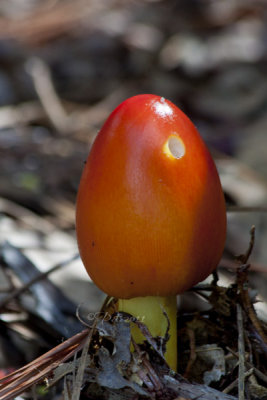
<point x="162" y="108"/>
<point x="174" y="147"/>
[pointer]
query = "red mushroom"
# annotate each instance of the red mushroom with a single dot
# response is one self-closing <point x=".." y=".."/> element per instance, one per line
<point x="151" y="218"/>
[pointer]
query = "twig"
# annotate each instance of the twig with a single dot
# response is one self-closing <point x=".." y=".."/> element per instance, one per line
<point x="17" y="292"/>
<point x="233" y="384"/>
<point x="246" y="209"/>
<point x="257" y="372"/>
<point x="193" y="355"/>
<point x="231" y="264"/>
<point x="22" y="114"/>
<point x="66" y="390"/>
<point x="205" y="287"/>
<point x="41" y="76"/>
<point x="244" y="257"/>
<point x="34" y="394"/>
<point x="241" y="353"/>
<point x="82" y="365"/>
<point x="215" y="278"/>
<point x="242" y="284"/>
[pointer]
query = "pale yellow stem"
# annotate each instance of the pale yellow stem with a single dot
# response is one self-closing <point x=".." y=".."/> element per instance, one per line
<point x="149" y="310"/>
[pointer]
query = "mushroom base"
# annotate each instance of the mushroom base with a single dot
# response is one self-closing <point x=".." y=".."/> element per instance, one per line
<point x="150" y="310"/>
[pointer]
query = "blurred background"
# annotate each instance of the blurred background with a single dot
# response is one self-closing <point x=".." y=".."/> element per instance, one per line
<point x="65" y="65"/>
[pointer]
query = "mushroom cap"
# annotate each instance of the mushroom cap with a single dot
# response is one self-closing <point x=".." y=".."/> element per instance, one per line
<point x="150" y="216"/>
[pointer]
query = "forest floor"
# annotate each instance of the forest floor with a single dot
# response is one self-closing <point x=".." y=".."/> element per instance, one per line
<point x="64" y="66"/>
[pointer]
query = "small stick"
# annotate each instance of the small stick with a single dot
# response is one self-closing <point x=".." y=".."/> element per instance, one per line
<point x="22" y="114"/>
<point x="17" y="292"/>
<point x="244" y="257"/>
<point x="243" y="287"/>
<point x="257" y="372"/>
<point x="193" y="355"/>
<point x="77" y="384"/>
<point x="41" y="76"/>
<point x="246" y="301"/>
<point x="232" y="385"/>
<point x="241" y="353"/>
<point x="246" y="209"/>
<point x="82" y="365"/>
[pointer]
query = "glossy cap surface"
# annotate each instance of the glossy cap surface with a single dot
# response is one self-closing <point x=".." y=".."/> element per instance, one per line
<point x="150" y="214"/>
